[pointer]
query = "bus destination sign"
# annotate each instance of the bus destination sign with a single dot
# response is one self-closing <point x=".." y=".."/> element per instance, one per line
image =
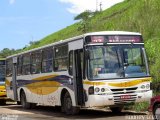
<point x="124" y="39"/>
<point x="114" y="39"/>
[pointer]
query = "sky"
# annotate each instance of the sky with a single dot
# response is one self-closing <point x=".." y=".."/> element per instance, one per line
<point x="22" y="21"/>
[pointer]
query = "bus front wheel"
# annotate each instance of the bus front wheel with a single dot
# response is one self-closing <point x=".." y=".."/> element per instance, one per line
<point x="67" y="105"/>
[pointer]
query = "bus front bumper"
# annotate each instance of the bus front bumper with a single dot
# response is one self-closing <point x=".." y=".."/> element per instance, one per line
<point x="118" y="99"/>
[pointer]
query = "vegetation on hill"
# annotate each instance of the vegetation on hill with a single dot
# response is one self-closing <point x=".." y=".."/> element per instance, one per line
<point x="131" y="15"/>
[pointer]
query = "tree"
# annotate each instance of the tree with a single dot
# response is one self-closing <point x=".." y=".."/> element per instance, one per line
<point x="84" y="18"/>
<point x="6" y="52"/>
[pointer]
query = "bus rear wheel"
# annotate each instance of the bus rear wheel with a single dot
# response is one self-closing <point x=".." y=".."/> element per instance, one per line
<point x="67" y="105"/>
<point x="2" y="102"/>
<point x="24" y="102"/>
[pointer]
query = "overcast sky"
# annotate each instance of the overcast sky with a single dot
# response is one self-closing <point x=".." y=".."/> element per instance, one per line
<point x="22" y="21"/>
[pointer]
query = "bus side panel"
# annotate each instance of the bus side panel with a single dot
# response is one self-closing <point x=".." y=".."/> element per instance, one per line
<point x="53" y="89"/>
<point x="45" y="88"/>
<point x="78" y="44"/>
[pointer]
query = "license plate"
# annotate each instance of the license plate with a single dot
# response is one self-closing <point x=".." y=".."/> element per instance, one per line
<point x="124" y="97"/>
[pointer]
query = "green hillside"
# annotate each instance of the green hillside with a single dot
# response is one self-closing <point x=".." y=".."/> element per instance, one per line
<point x="131" y="15"/>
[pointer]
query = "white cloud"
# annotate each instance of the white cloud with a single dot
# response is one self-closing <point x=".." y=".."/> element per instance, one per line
<point x="11" y="2"/>
<point x="78" y="6"/>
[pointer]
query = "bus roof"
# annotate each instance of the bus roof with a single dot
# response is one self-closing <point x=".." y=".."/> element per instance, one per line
<point x="79" y="37"/>
<point x="113" y="33"/>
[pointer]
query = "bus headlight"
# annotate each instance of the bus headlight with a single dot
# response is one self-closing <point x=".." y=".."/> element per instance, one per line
<point x="143" y="87"/>
<point x="147" y="86"/>
<point x="102" y="89"/>
<point x="97" y="89"/>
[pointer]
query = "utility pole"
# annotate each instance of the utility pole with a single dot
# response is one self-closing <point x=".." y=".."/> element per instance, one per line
<point x="100" y="5"/>
<point x="96" y="5"/>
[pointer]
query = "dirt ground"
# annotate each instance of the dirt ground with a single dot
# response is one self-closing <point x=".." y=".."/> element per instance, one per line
<point x="11" y="111"/>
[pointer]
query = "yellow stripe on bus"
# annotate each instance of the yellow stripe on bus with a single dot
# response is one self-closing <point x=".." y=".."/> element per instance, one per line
<point x="8" y="83"/>
<point x="118" y="84"/>
<point x="129" y="83"/>
<point x="93" y="83"/>
<point x="44" y="87"/>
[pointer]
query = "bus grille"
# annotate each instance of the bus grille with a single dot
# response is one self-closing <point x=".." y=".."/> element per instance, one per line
<point x="119" y="100"/>
<point x="124" y="90"/>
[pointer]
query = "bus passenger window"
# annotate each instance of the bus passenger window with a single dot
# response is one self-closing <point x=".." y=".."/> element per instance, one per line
<point x="47" y="60"/>
<point x="61" y="58"/>
<point x="26" y="64"/>
<point x="19" y="65"/>
<point x="36" y="62"/>
<point x="9" y="68"/>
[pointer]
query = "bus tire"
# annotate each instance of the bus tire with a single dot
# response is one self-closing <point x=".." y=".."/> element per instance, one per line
<point x="2" y="102"/>
<point x="24" y="102"/>
<point x="18" y="103"/>
<point x="67" y="105"/>
<point x="33" y="105"/>
<point x="116" y="109"/>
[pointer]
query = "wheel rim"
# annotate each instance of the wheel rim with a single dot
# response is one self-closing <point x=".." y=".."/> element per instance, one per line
<point x="157" y="113"/>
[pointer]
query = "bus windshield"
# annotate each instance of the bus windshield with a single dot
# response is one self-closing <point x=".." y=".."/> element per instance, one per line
<point x="116" y="61"/>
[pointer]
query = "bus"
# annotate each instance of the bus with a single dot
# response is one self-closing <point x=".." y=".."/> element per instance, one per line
<point x="98" y="69"/>
<point x="3" y="97"/>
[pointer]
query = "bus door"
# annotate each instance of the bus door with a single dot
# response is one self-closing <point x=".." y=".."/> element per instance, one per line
<point x="77" y="76"/>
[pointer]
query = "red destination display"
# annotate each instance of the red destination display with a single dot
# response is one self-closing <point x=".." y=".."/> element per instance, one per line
<point x="124" y="39"/>
<point x="97" y="39"/>
<point x="114" y="39"/>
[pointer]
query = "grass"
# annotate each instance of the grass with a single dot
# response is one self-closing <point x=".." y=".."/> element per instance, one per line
<point x="138" y="107"/>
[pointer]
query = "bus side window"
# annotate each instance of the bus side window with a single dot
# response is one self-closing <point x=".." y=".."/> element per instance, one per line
<point x="9" y="67"/>
<point x="26" y="64"/>
<point x="61" y="58"/>
<point x="19" y="65"/>
<point x="36" y="62"/>
<point x="47" y="60"/>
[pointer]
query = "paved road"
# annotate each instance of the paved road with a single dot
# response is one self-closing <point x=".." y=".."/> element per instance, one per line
<point x="16" y="112"/>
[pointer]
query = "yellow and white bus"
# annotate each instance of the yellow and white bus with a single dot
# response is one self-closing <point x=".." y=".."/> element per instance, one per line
<point x="99" y="69"/>
<point x="3" y="96"/>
